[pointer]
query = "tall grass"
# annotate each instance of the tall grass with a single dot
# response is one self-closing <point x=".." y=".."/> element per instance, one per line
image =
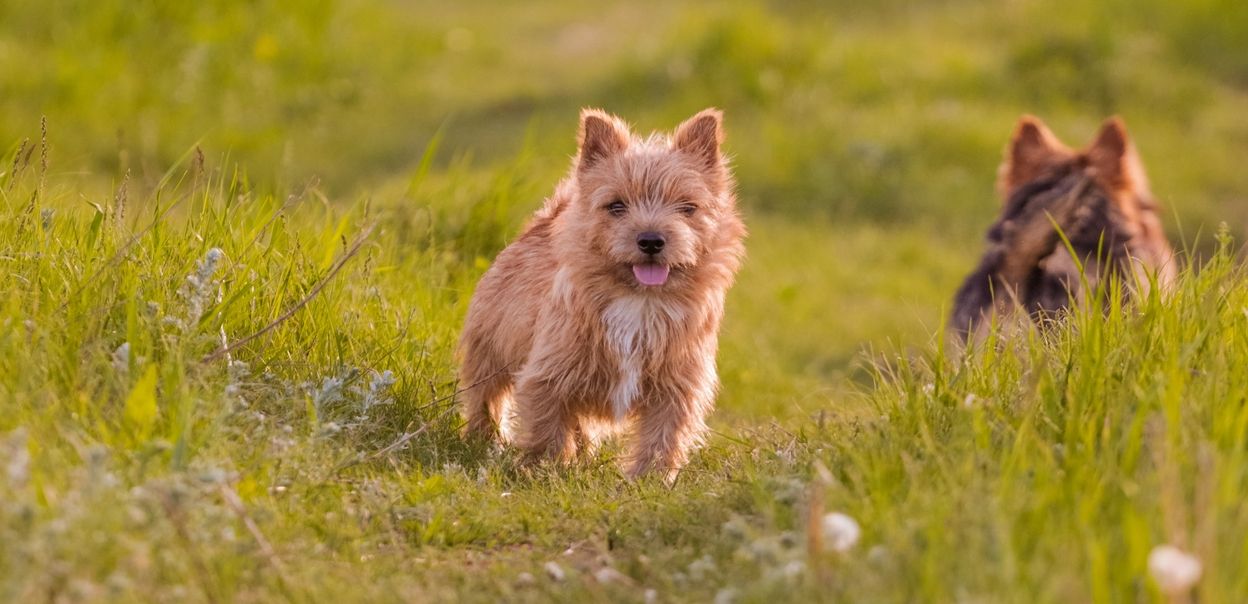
<point x="154" y="450"/>
<point x="1120" y="430"/>
<point x="235" y="256"/>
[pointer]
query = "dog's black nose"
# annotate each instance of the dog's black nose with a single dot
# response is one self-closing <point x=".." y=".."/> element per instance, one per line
<point x="650" y="242"/>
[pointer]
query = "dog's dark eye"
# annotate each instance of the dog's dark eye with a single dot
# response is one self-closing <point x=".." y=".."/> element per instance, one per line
<point x="617" y="208"/>
<point x="687" y="208"/>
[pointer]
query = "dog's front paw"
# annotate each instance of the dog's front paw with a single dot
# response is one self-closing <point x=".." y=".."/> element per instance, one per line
<point x="639" y="470"/>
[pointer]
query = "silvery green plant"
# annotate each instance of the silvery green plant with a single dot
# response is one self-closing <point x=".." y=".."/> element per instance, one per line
<point x="378" y="392"/>
<point x="197" y="292"/>
<point x="347" y="392"/>
<point x="330" y="391"/>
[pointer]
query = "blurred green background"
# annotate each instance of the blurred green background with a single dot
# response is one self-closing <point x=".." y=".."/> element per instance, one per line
<point x="865" y="135"/>
<point x="889" y="111"/>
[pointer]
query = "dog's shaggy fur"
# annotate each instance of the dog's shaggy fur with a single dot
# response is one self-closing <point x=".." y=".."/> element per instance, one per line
<point x="1098" y="196"/>
<point x="605" y="313"/>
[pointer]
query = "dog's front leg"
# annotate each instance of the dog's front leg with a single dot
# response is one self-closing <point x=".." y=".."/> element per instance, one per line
<point x="546" y="422"/>
<point x="672" y="421"/>
<point x="545" y="426"/>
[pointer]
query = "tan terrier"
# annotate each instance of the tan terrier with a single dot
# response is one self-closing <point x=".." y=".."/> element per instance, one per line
<point x="1098" y="195"/>
<point x="605" y="313"/>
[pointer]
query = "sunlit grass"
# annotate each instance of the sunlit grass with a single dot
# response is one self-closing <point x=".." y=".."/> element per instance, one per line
<point x="232" y="275"/>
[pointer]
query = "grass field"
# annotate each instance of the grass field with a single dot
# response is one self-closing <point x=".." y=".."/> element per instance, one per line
<point x="320" y="184"/>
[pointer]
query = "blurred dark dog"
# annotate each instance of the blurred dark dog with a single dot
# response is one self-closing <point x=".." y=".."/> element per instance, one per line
<point x="1099" y="198"/>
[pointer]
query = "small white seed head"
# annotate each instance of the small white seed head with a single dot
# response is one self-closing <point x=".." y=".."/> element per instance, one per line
<point x="840" y="532"/>
<point x="1174" y="570"/>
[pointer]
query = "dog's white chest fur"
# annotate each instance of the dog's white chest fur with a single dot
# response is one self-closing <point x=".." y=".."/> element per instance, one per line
<point x="637" y="327"/>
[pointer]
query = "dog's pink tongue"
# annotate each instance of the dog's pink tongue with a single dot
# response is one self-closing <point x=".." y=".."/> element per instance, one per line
<point x="650" y="274"/>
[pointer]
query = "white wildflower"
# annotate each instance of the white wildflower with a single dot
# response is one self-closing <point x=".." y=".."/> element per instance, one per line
<point x="525" y="579"/>
<point x="840" y="532"/>
<point x="121" y="358"/>
<point x="701" y="568"/>
<point x="554" y="571"/>
<point x="764" y="550"/>
<point x="788" y="491"/>
<point x="878" y="555"/>
<point x="214" y="476"/>
<point x="607" y="574"/>
<point x="17" y="467"/>
<point x="735" y="528"/>
<point x="793" y="569"/>
<point x="118" y="582"/>
<point x="727" y="595"/>
<point x="1174" y="570"/>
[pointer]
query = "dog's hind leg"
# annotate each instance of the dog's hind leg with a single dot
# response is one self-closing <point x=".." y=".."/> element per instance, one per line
<point x="485" y="385"/>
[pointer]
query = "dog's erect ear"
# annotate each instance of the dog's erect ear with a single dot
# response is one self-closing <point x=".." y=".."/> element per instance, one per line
<point x="602" y="135"/>
<point x="701" y="136"/>
<point x="1114" y="158"/>
<point x="1032" y="150"/>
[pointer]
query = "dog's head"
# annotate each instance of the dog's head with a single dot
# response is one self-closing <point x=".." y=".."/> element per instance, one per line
<point x="1110" y="163"/>
<point x="650" y="213"/>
